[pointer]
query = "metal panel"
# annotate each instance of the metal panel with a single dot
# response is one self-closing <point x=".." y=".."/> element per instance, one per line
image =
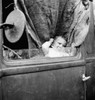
<point x="61" y="84"/>
<point x="90" y="84"/>
<point x="90" y="67"/>
<point x="0" y="91"/>
<point x="0" y="48"/>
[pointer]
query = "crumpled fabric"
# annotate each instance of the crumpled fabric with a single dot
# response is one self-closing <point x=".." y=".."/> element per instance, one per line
<point x="80" y="26"/>
<point x="48" y="18"/>
<point x="30" y="29"/>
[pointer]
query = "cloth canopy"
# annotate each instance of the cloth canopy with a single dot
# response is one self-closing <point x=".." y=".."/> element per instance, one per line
<point x="47" y="19"/>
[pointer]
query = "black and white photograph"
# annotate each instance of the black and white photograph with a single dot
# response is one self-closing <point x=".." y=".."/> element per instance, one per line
<point x="47" y="49"/>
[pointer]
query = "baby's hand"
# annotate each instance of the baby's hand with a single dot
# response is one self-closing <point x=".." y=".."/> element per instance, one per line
<point x="73" y="52"/>
<point x="73" y="45"/>
<point x="51" y="40"/>
<point x="68" y="49"/>
<point x="46" y="45"/>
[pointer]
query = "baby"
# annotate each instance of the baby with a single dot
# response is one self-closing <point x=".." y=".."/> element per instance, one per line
<point x="55" y="47"/>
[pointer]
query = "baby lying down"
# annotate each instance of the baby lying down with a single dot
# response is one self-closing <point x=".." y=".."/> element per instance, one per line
<point x="56" y="48"/>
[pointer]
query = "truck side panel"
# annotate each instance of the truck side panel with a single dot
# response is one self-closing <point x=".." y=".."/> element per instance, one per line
<point x="60" y="84"/>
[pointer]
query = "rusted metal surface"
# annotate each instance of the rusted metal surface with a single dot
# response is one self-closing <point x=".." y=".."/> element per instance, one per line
<point x="1" y="84"/>
<point x="47" y="85"/>
<point x="90" y="84"/>
<point x="15" y="70"/>
<point x="90" y="59"/>
<point x="0" y="91"/>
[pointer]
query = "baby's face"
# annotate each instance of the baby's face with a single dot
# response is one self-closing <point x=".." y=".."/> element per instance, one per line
<point x="59" y="43"/>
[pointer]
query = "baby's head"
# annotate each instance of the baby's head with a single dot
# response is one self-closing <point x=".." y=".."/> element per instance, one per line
<point x="59" y="43"/>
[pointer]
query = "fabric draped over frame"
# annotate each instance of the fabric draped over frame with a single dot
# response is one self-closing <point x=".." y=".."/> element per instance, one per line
<point x="80" y="26"/>
<point x="48" y="18"/>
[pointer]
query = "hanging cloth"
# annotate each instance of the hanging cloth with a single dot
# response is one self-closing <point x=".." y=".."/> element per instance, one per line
<point x="30" y="29"/>
<point x="80" y="26"/>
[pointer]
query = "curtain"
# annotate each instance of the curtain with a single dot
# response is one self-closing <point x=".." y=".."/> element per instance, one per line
<point x="48" y="18"/>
